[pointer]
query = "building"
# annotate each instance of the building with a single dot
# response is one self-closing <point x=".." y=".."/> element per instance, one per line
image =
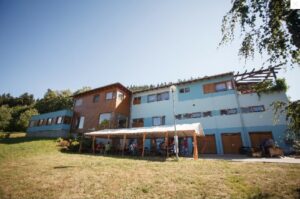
<point x="100" y="108"/>
<point x="231" y="113"/>
<point x="54" y="124"/>
<point x="231" y="118"/>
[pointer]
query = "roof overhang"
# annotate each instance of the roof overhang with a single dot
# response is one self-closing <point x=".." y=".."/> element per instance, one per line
<point x="182" y="130"/>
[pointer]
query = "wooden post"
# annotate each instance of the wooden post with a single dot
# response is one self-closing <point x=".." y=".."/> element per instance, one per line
<point x="93" y="144"/>
<point x="124" y="140"/>
<point x="143" y="149"/>
<point x="167" y="144"/>
<point x="195" y="146"/>
<point x="81" y="140"/>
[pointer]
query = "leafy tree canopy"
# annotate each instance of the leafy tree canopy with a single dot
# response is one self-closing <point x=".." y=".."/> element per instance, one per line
<point x="267" y="26"/>
<point x="54" y="101"/>
<point x="83" y="89"/>
<point x="5" y="117"/>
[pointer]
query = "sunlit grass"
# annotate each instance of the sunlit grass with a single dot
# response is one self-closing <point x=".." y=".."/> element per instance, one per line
<point x="35" y="168"/>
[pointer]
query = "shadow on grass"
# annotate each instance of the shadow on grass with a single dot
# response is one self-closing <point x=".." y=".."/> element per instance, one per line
<point x="63" y="167"/>
<point x="125" y="157"/>
<point x="18" y="140"/>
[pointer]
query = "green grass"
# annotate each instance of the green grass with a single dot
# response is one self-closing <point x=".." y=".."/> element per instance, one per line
<point x="35" y="168"/>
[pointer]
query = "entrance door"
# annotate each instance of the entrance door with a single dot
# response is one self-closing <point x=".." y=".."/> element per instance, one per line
<point x="207" y="145"/>
<point x="257" y="138"/>
<point x="232" y="143"/>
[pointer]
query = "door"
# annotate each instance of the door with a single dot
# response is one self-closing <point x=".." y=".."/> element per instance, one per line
<point x="232" y="143"/>
<point x="257" y="138"/>
<point x="207" y="145"/>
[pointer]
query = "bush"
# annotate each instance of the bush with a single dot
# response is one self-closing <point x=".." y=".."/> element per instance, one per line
<point x="74" y="146"/>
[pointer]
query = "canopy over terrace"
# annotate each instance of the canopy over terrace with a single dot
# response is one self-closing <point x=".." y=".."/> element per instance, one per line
<point x="183" y="130"/>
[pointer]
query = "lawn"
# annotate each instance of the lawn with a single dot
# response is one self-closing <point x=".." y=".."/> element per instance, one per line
<point x="35" y="168"/>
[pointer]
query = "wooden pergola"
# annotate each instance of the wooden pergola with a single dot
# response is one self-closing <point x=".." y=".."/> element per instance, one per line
<point x="182" y="130"/>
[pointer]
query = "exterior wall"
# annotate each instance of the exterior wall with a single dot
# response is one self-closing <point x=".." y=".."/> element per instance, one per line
<point x="197" y="101"/>
<point x="91" y="110"/>
<point x="53" y="130"/>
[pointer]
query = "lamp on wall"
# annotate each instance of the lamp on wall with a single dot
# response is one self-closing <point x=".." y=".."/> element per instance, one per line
<point x="173" y="90"/>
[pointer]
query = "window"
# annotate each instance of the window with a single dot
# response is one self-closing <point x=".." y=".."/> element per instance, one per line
<point x="59" y="120"/>
<point x="49" y="121"/>
<point x="221" y="87"/>
<point x="229" y="111"/>
<point x="139" y="122"/>
<point x="257" y="108"/>
<point x="54" y="120"/>
<point x="184" y="90"/>
<point x="81" y="122"/>
<point x="157" y="121"/>
<point x="109" y="96"/>
<point x="152" y="98"/>
<point x="41" y="122"/>
<point x="187" y="115"/>
<point x="163" y="96"/>
<point x="217" y="87"/>
<point x="104" y="120"/>
<point x="78" y="102"/>
<point x="207" y="114"/>
<point x="196" y="115"/>
<point x="245" y="109"/>
<point x="252" y="109"/>
<point x="137" y="100"/>
<point x="67" y="120"/>
<point x="96" y="98"/>
<point x="120" y="95"/>
<point x="178" y="117"/>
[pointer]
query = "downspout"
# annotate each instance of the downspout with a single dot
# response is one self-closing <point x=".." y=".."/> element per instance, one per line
<point x="245" y="136"/>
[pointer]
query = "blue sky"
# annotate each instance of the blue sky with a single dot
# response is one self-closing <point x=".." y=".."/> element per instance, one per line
<point x="68" y="44"/>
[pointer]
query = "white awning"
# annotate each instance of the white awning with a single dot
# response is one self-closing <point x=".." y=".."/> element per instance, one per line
<point x="154" y="131"/>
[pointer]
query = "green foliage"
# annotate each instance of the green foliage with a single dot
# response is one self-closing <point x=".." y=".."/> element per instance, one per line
<point x="23" y="121"/>
<point x="268" y="26"/>
<point x="54" y="101"/>
<point x="270" y="87"/>
<point x="82" y="90"/>
<point x="292" y="111"/>
<point x="23" y="100"/>
<point x="5" y="117"/>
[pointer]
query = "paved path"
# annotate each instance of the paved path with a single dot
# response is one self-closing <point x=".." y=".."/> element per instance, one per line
<point x="241" y="158"/>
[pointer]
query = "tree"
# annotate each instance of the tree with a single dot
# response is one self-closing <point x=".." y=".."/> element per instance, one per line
<point x="83" y="89"/>
<point x="5" y="117"/>
<point x="54" y="101"/>
<point x="23" y="121"/>
<point x="267" y="26"/>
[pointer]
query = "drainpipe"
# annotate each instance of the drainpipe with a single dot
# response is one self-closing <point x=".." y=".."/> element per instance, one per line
<point x="245" y="136"/>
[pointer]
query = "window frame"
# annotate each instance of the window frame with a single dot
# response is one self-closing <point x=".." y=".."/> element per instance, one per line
<point x="112" y="95"/>
<point x="78" y="102"/>
<point x="137" y="121"/>
<point x="59" y="120"/>
<point x="137" y="100"/>
<point x="96" y="98"/>
<point x="163" y="96"/>
<point x="207" y="114"/>
<point x="162" y="120"/>
<point x="154" y="99"/>
<point x="184" y="90"/>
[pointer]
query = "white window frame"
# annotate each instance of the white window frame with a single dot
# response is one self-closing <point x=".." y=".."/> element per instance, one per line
<point x="81" y="122"/>
<point x="109" y="95"/>
<point x="78" y="102"/>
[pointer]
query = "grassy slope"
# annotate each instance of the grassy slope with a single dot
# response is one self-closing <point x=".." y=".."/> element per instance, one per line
<point x="33" y="168"/>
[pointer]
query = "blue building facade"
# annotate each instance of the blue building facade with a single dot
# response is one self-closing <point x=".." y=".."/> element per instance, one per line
<point x="230" y="119"/>
<point x="53" y="124"/>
